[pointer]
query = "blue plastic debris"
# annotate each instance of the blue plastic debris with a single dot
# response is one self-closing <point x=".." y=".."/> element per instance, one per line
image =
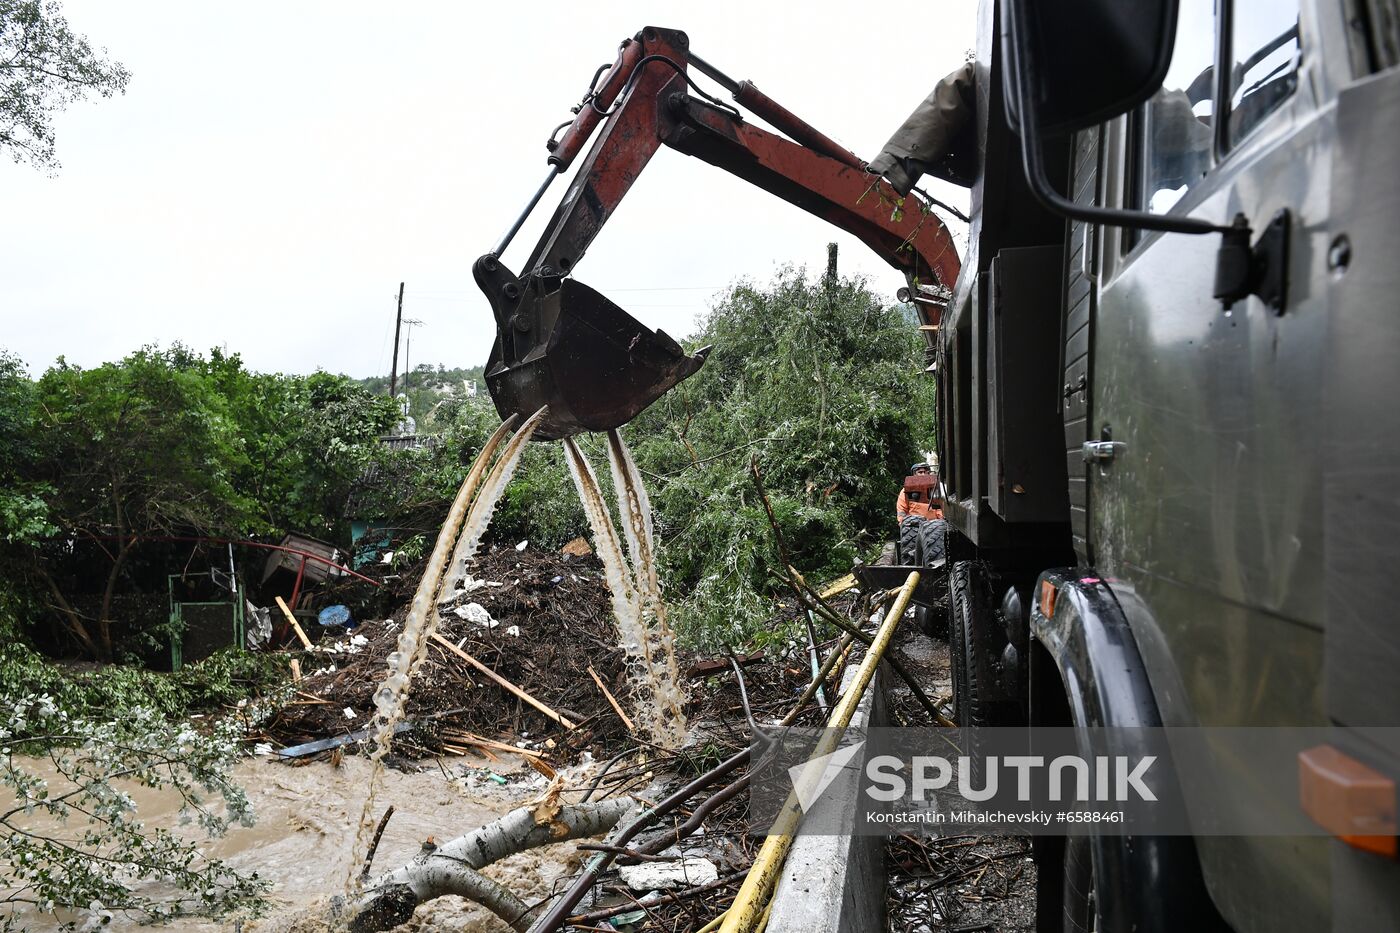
<point x="335" y="615"/>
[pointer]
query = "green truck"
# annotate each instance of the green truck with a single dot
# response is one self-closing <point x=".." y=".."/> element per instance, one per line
<point x="1168" y="421"/>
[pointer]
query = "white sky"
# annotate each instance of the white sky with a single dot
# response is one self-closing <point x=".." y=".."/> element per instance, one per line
<point x="275" y="169"/>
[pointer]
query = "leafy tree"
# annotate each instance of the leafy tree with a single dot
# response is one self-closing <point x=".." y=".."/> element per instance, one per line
<point x="44" y="67"/>
<point x="820" y="381"/>
<point x="305" y="440"/>
<point x="131" y="450"/>
<point x="23" y="511"/>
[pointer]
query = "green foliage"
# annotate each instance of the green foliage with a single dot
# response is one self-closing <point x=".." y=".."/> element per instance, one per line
<point x="221" y="680"/>
<point x="23" y="509"/>
<point x="46" y="67"/>
<point x="141" y="446"/>
<point x="821" y="383"/>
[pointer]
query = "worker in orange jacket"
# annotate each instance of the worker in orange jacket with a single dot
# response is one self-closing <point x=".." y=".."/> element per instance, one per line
<point x="918" y="503"/>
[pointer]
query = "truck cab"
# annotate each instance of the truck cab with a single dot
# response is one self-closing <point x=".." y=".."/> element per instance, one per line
<point x="1168" y="507"/>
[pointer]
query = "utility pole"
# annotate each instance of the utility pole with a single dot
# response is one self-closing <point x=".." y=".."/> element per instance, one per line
<point x="398" y="323"/>
<point x="831" y="263"/>
<point x="408" y="343"/>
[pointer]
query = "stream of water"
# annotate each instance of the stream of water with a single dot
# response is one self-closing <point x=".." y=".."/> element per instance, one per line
<point x="637" y="605"/>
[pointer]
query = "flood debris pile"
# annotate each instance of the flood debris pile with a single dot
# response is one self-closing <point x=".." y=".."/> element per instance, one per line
<point x="539" y="620"/>
<point x="679" y="843"/>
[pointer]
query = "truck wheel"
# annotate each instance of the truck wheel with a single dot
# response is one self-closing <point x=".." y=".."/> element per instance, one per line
<point x="976" y="641"/>
<point x="1080" y="894"/>
<point x="909" y="541"/>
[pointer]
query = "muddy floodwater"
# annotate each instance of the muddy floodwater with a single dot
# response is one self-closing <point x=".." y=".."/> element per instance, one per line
<point x="306" y="819"/>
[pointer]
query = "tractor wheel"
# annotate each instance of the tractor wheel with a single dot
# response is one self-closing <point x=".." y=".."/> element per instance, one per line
<point x="933" y="541"/>
<point x="909" y="554"/>
<point x="933" y="619"/>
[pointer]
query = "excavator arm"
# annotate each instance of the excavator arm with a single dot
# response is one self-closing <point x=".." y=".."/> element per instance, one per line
<point x="563" y="344"/>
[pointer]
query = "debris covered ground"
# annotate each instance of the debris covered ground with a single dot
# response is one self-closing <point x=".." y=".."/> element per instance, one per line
<point x="953" y="883"/>
<point x="541" y="621"/>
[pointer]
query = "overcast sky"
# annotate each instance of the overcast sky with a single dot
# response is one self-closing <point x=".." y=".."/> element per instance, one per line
<point x="275" y="169"/>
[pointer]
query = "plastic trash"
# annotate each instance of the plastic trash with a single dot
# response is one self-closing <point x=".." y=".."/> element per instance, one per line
<point x="335" y="615"/>
<point x="657" y="876"/>
<point x="476" y="613"/>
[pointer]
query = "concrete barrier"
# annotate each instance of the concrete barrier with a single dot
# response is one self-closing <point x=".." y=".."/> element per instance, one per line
<point x="836" y="883"/>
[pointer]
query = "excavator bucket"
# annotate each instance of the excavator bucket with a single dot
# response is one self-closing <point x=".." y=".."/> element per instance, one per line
<point x="562" y="344"/>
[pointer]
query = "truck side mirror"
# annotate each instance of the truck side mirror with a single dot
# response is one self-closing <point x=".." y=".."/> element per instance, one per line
<point x="1087" y="60"/>
<point x="1072" y="64"/>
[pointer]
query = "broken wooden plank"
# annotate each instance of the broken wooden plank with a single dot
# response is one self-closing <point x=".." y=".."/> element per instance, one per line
<point x="471" y="738"/>
<point x="837" y="587"/>
<point x="305" y="642"/>
<point x="612" y="701"/>
<point x="502" y="682"/>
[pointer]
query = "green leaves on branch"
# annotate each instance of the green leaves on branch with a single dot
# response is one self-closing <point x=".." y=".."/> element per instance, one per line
<point x="72" y="839"/>
<point x="44" y="67"/>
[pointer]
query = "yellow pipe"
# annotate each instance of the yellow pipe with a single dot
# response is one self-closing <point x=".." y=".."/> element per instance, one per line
<point x="748" y="907"/>
<point x="713" y="924"/>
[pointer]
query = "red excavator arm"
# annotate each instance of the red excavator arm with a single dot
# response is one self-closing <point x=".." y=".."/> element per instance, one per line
<point x="561" y="343"/>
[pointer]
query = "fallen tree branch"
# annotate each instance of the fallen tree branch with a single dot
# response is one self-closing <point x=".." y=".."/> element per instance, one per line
<point x="453" y="868"/>
<point x="374" y="843"/>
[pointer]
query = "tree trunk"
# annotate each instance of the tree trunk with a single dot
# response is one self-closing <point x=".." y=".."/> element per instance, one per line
<point x="75" y="622"/>
<point x="452" y="868"/>
<point x="104" y="620"/>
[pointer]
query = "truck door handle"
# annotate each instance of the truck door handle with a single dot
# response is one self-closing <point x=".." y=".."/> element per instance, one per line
<point x="1102" y="451"/>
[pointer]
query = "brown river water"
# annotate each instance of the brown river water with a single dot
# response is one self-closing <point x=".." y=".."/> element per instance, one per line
<point x="306" y="819"/>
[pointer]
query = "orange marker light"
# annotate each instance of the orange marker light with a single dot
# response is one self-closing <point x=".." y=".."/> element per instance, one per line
<point x="1047" y="599"/>
<point x="1349" y="798"/>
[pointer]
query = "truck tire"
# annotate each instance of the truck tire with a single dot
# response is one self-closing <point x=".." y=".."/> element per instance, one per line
<point x="975" y="642"/>
<point x="909" y="555"/>
<point x="1080" y="894"/>
<point x="933" y="545"/>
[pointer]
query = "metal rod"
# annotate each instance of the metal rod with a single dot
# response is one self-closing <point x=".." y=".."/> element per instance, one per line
<point x="706" y="68"/>
<point x="529" y="208"/>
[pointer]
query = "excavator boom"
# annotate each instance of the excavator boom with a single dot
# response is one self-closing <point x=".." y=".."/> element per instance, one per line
<point x="562" y="344"/>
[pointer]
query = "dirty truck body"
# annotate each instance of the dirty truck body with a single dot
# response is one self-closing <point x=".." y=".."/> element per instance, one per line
<point x="1164" y="511"/>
